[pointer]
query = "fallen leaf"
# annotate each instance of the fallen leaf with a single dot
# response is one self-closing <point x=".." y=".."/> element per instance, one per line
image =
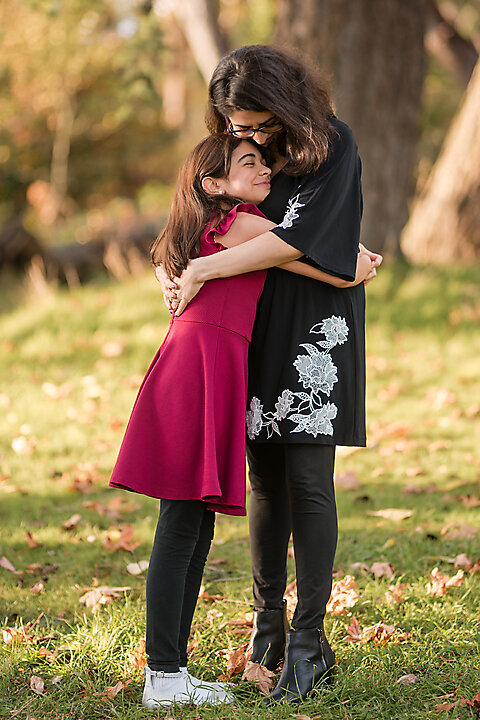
<point x="463" y="561"/>
<point x="112" y="349"/>
<point x="7" y="565"/>
<point x="443" y="707"/>
<point x="458" y="531"/>
<point x="55" y="392"/>
<point x="414" y="471"/>
<point x="37" y="685"/>
<point x="396" y="593"/>
<point x="137" y="568"/>
<point x="37" y="588"/>
<point x="440" y="583"/>
<point x="344" y="595"/>
<point x="438" y="398"/>
<point x="48" y="654"/>
<point x="347" y="480"/>
<point x="469" y="501"/>
<point x="474" y="702"/>
<point x="139" y="657"/>
<point x="213" y="615"/>
<point x="72" y="522"/>
<point x="23" y="445"/>
<point x="112" y="692"/>
<point x="382" y="569"/>
<point x="236" y="660"/>
<point x="395" y="514"/>
<point x="120" y="539"/>
<point x="354" y="631"/>
<point x="407" y="680"/>
<point x="32" y="543"/>
<point x="262" y="676"/>
<point x="101" y="595"/>
<point x="290" y="596"/>
<point x="363" y="567"/>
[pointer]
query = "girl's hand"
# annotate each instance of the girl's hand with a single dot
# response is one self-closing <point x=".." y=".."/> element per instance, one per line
<point x="187" y="286"/>
<point x="169" y="288"/>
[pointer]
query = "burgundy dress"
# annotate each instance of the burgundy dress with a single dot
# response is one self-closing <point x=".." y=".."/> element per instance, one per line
<point x="185" y="439"/>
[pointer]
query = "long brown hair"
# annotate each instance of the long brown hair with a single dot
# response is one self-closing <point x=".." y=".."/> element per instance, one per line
<point x="260" y="78"/>
<point x="192" y="208"/>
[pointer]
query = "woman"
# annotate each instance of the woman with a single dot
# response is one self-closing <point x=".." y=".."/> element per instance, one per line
<point x="306" y="362"/>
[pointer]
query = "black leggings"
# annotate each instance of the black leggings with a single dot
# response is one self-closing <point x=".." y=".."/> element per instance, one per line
<point x="182" y="541"/>
<point x="293" y="492"/>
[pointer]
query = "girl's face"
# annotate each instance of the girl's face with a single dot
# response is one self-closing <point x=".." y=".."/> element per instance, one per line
<point x="249" y="176"/>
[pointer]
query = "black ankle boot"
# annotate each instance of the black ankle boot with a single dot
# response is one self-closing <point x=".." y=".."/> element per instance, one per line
<point x="309" y="660"/>
<point x="267" y="641"/>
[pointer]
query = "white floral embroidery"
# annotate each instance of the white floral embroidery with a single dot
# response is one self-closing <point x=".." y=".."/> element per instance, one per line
<point x="291" y="213"/>
<point x="254" y="418"/>
<point x="318" y="374"/>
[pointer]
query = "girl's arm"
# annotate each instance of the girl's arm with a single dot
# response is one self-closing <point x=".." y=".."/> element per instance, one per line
<point x="365" y="271"/>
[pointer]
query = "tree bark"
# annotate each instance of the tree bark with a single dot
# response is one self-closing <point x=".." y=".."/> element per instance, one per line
<point x="198" y="20"/>
<point x="445" y="221"/>
<point x="374" y="51"/>
<point x="453" y="51"/>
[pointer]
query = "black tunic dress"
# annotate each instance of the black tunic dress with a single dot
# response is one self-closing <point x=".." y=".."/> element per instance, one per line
<point x="307" y="355"/>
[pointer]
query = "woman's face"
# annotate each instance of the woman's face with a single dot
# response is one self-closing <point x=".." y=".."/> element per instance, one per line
<point x="265" y="125"/>
<point x="249" y="176"/>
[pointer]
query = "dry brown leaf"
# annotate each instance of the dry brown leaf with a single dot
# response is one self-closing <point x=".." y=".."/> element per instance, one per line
<point x="458" y="531"/>
<point x="7" y="565"/>
<point x="120" y="539"/>
<point x="354" y="631"/>
<point x="111" y="692"/>
<point x="407" y="680"/>
<point x="379" y="632"/>
<point x="470" y="501"/>
<point x="438" y="398"/>
<point x="37" y="588"/>
<point x="32" y="543"/>
<point x="440" y="583"/>
<point x="137" y="568"/>
<point x="395" y="514"/>
<point x="48" y="654"/>
<point x="101" y="595"/>
<point x="347" y="480"/>
<point x="259" y="674"/>
<point x="361" y="566"/>
<point x="37" y="685"/>
<point x="444" y="707"/>
<point x="344" y="595"/>
<point x="414" y="471"/>
<point x="213" y="615"/>
<point x="474" y="702"/>
<point x="112" y="349"/>
<point x="396" y="593"/>
<point x="72" y="522"/>
<point x="56" y="392"/>
<point x="464" y="562"/>
<point x="382" y="569"/>
<point x="23" y="445"/>
<point x="236" y="660"/>
<point x="290" y="596"/>
<point x="139" y="657"/>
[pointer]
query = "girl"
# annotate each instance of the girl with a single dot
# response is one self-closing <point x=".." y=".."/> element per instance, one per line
<point x="307" y="356"/>
<point x="185" y="441"/>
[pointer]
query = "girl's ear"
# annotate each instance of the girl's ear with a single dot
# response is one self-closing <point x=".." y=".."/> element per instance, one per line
<point x="211" y="186"/>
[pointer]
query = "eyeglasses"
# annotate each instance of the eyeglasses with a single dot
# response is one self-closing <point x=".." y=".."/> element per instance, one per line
<point x="269" y="128"/>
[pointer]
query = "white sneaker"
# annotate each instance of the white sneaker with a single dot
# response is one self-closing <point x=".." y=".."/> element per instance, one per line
<point x="212" y="686"/>
<point x="163" y="689"/>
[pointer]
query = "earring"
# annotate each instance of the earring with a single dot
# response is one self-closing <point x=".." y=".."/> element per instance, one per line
<point x="220" y="192"/>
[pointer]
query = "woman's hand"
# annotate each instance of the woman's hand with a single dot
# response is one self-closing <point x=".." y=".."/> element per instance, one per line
<point x="187" y="286"/>
<point x="168" y="286"/>
<point x="376" y="260"/>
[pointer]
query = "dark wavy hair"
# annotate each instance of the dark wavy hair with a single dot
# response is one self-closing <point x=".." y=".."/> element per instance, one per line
<point x="260" y="78"/>
<point x="192" y="208"/>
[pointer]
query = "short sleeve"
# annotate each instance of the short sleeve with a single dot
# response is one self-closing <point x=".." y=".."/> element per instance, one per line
<point x="322" y="218"/>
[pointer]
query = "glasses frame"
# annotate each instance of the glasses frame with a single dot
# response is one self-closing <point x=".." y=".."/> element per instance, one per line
<point x="245" y="133"/>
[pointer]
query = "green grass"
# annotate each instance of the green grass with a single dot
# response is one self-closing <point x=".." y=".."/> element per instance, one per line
<point x="423" y="416"/>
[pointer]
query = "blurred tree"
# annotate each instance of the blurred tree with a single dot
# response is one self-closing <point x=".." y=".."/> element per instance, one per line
<point x="445" y="222"/>
<point x="455" y="52"/>
<point x="374" y="51"/>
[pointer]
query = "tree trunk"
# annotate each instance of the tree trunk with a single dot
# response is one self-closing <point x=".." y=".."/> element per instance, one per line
<point x="198" y="20"/>
<point x="453" y="51"/>
<point x="445" y="221"/>
<point x="374" y="51"/>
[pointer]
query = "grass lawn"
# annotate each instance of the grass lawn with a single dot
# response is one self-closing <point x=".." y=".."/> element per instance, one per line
<point x="70" y="365"/>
